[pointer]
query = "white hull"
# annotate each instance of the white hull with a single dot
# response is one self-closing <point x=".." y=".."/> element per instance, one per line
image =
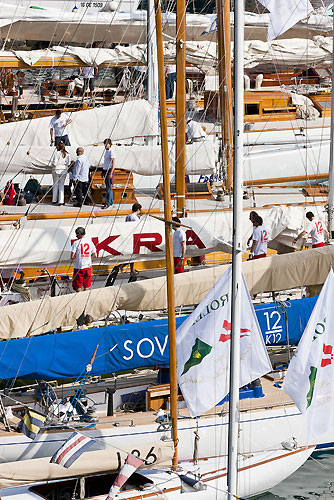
<point x="257" y="473"/>
<point x="262" y="430"/>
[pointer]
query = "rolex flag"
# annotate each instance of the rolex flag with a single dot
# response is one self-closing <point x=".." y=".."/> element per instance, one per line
<point x="203" y="347"/>
<point x="284" y="14"/>
<point x="309" y="380"/>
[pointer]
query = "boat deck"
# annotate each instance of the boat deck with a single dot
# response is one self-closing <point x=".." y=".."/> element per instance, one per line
<point x="274" y="398"/>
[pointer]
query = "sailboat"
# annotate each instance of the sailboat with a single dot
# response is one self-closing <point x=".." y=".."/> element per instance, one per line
<point x="253" y="476"/>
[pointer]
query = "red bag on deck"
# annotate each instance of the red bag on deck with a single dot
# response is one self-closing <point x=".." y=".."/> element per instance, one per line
<point x="10" y="194"/>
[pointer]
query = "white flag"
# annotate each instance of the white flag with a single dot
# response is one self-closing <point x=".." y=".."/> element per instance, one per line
<point x="284" y="14"/>
<point x="203" y="347"/>
<point x="309" y="380"/>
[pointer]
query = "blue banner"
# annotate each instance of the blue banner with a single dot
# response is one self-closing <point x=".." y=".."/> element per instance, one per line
<point x="125" y="347"/>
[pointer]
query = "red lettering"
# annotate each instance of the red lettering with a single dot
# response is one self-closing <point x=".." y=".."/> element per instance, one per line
<point x="104" y="245"/>
<point x="318" y="226"/>
<point x="147" y="240"/>
<point x="193" y="239"/>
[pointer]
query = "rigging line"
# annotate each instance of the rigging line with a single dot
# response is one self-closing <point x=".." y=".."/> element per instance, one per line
<point x="67" y="48"/>
<point x="330" y="469"/>
<point x="296" y="142"/>
<point x="41" y="304"/>
<point x="11" y="25"/>
<point x="73" y="225"/>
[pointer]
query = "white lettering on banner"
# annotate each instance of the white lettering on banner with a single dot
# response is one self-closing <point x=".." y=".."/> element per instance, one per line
<point x="161" y="349"/>
<point x="140" y="354"/>
<point x="139" y="348"/>
<point x="127" y="358"/>
<point x="274" y="330"/>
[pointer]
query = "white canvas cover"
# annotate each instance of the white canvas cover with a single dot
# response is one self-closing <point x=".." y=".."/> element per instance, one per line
<point x="93" y="462"/>
<point x="92" y="126"/>
<point x="299" y="52"/>
<point x="144" y="160"/>
<point x="128" y="27"/>
<point x="278" y="272"/>
<point x="48" y="242"/>
<point x="284" y="15"/>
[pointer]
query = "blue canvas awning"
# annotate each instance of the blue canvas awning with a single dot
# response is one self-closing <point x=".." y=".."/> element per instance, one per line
<point x="125" y="347"/>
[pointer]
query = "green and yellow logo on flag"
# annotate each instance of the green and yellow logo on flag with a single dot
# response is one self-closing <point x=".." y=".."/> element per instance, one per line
<point x="198" y="352"/>
<point x="312" y="376"/>
<point x="31" y="423"/>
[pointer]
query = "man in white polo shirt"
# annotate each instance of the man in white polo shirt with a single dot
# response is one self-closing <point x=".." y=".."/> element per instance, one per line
<point x="260" y="239"/>
<point x="316" y="229"/>
<point x="58" y="131"/>
<point x="108" y="172"/>
<point x="82" y="251"/>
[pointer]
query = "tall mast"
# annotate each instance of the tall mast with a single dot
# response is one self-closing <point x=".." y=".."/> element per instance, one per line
<point x="331" y="156"/>
<point x="225" y="86"/>
<point x="168" y="231"/>
<point x="180" y="153"/>
<point x="152" y="66"/>
<point x="237" y="247"/>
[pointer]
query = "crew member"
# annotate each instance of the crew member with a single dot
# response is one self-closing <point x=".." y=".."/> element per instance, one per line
<point x="179" y="246"/>
<point x="82" y="252"/>
<point x="108" y="172"/>
<point x="19" y="82"/>
<point x="60" y="163"/>
<point x="252" y="217"/>
<point x="195" y="132"/>
<point x="89" y="75"/>
<point x="316" y="229"/>
<point x="260" y="239"/>
<point x="81" y="177"/>
<point x="170" y="74"/>
<point x="58" y="132"/>
<point x="133" y="217"/>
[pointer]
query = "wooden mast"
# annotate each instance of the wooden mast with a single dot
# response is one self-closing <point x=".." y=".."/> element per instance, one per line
<point x="168" y="231"/>
<point x="180" y="153"/>
<point x="225" y="86"/>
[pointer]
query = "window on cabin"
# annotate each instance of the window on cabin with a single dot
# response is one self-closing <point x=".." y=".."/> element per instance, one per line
<point x="251" y="109"/>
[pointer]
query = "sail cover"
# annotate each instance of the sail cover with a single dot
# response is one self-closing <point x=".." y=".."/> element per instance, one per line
<point x="126" y="347"/>
<point x="143" y="160"/>
<point x="202" y="53"/>
<point x="93" y="462"/>
<point x="48" y="242"/>
<point x="119" y="121"/>
<point x="278" y="272"/>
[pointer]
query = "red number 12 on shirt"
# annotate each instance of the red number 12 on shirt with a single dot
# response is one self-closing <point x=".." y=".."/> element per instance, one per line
<point x="84" y="250"/>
